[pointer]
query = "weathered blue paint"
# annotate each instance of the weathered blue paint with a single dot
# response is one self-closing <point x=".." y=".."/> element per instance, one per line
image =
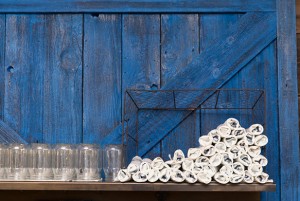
<point x="2" y="68"/>
<point x="288" y="100"/>
<point x="71" y="6"/>
<point x="8" y="135"/>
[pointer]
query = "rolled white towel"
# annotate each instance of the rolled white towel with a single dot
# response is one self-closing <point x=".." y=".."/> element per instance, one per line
<point x="196" y="170"/>
<point x="254" y="151"/>
<point x="224" y="131"/>
<point x="226" y="169"/>
<point x="153" y="175"/>
<point x="243" y="144"/>
<point x="238" y="168"/>
<point x="216" y="137"/>
<point x="124" y="175"/>
<point x="239" y="133"/>
<point x="255" y="169"/>
<point x="262" y="178"/>
<point x="134" y="166"/>
<point x="194" y="153"/>
<point x="230" y="141"/>
<point x="261" y="140"/>
<point x="158" y="163"/>
<point x="244" y="159"/>
<point x="237" y="178"/>
<point x="177" y="176"/>
<point x="216" y="160"/>
<point x="137" y="158"/>
<point x="255" y="129"/>
<point x="234" y="151"/>
<point x="188" y="164"/>
<point x="208" y="150"/>
<point x="205" y="140"/>
<point x="202" y="160"/>
<point x="209" y="170"/>
<point x="190" y="177"/>
<point x="139" y="177"/>
<point x="220" y="147"/>
<point x="203" y="178"/>
<point x="164" y="175"/>
<point x="249" y="139"/>
<point x="260" y="159"/>
<point x="221" y="178"/>
<point x="232" y="123"/>
<point x="178" y="156"/>
<point x="227" y="159"/>
<point x="148" y="160"/>
<point x="248" y="178"/>
<point x="145" y="167"/>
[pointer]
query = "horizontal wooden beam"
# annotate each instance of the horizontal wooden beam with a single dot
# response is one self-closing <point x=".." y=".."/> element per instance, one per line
<point x="139" y="6"/>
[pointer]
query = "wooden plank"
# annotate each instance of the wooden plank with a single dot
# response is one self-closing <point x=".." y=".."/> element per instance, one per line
<point x="3" y="69"/>
<point x="179" y="44"/>
<point x="8" y="135"/>
<point x="141" y="53"/>
<point x="227" y="61"/>
<point x="102" y="76"/>
<point x="25" y="63"/>
<point x="62" y="119"/>
<point x="73" y="6"/>
<point x="287" y="100"/>
<point x="131" y="186"/>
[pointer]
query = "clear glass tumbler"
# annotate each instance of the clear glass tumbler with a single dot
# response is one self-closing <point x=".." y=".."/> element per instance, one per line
<point x="64" y="162"/>
<point x="113" y="161"/>
<point x="18" y="167"/>
<point x="88" y="164"/>
<point x="3" y="161"/>
<point x="39" y="162"/>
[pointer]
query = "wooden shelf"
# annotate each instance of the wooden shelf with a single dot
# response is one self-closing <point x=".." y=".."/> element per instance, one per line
<point x="150" y="187"/>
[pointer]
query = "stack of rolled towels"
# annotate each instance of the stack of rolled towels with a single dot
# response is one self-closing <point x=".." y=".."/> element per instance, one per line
<point x="227" y="154"/>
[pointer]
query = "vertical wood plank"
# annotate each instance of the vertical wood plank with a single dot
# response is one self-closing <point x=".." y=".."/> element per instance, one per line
<point x="287" y="100"/>
<point x="141" y="54"/>
<point x="179" y="44"/>
<point x="102" y="76"/>
<point x="25" y="62"/>
<point x="3" y="69"/>
<point x="63" y="79"/>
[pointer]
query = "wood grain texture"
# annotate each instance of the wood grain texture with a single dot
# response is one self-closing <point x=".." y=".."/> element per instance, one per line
<point x="179" y="45"/>
<point x="2" y="69"/>
<point x="8" y="135"/>
<point x="287" y="100"/>
<point x="24" y="75"/>
<point x="226" y="60"/>
<point x="62" y="122"/>
<point x="72" y="6"/>
<point x="102" y="76"/>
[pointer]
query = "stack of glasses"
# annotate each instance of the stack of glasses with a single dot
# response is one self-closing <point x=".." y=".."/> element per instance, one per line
<point x="63" y="162"/>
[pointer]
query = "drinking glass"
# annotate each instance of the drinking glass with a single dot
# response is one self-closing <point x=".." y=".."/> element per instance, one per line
<point x="64" y="162"/>
<point x="39" y="162"/>
<point x="18" y="167"/>
<point x="113" y="161"/>
<point x="3" y="161"/>
<point x="88" y="162"/>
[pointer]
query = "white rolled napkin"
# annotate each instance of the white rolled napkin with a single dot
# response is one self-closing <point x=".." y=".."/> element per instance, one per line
<point x="145" y="167"/>
<point x="249" y="139"/>
<point x="205" y="140"/>
<point x="178" y="156"/>
<point x="261" y="140"/>
<point x="220" y="147"/>
<point x="177" y="175"/>
<point x="243" y="144"/>
<point x="202" y="160"/>
<point x="137" y="158"/>
<point x="262" y="178"/>
<point x="158" y="163"/>
<point x="221" y="178"/>
<point x="224" y="131"/>
<point x="238" y="168"/>
<point x="124" y="175"/>
<point x="134" y="166"/>
<point x="194" y="153"/>
<point x="208" y="150"/>
<point x="260" y="159"/>
<point x="190" y="177"/>
<point x="244" y="159"/>
<point x="255" y="129"/>
<point x="226" y="169"/>
<point x="232" y="123"/>
<point x="148" y="160"/>
<point x="255" y="169"/>
<point x="153" y="175"/>
<point x="139" y="177"/>
<point x="216" y="137"/>
<point x="230" y="141"/>
<point x="164" y="175"/>
<point x="203" y="178"/>
<point x="248" y="178"/>
<point x="196" y="170"/>
<point x="254" y="151"/>
<point x="234" y="151"/>
<point x="227" y="159"/>
<point x="216" y="160"/>
<point x="209" y="170"/>
<point x="239" y="133"/>
<point x="188" y="164"/>
<point x="237" y="178"/>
